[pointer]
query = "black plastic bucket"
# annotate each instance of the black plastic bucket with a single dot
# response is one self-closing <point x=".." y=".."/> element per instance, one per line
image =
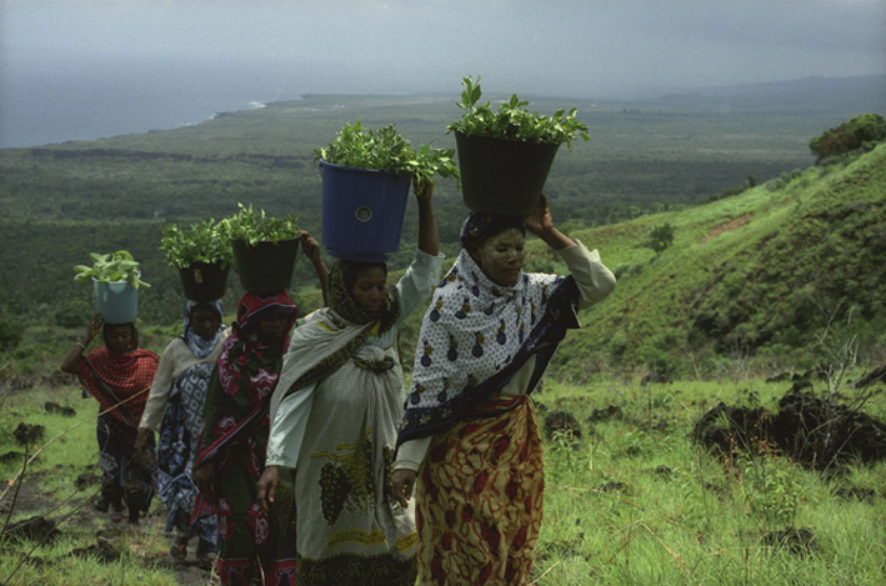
<point x="266" y="267"/>
<point x="204" y="282"/>
<point x="503" y="176"/>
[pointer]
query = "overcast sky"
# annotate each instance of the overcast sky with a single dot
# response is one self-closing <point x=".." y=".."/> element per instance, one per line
<point x="565" y="47"/>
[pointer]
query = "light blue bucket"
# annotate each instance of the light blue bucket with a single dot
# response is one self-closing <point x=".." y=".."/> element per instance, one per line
<point x="117" y="301"/>
<point x="362" y="212"/>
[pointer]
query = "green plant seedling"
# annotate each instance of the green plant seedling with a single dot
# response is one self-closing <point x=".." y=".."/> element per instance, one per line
<point x="252" y="226"/>
<point x="201" y="242"/>
<point x="513" y="121"/>
<point x="384" y="149"/>
<point x="116" y="266"/>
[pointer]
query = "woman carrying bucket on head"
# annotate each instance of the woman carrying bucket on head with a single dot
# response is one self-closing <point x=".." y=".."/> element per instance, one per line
<point x="119" y="375"/>
<point x="175" y="409"/>
<point x="469" y="438"/>
<point x="334" y="419"/>
<point x="252" y="544"/>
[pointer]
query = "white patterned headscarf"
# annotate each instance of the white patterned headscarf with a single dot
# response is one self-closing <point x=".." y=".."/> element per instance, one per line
<point x="473" y="331"/>
<point x="201" y="347"/>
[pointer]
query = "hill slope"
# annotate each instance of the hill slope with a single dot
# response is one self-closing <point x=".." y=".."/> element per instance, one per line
<point x="763" y="274"/>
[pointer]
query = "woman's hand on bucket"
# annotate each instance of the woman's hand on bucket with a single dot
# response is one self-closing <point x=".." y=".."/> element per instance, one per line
<point x="403" y="481"/>
<point x="541" y="223"/>
<point x="423" y="188"/>
<point x="309" y="246"/>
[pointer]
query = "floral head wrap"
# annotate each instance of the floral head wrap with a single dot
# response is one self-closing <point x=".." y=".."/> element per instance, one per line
<point x="244" y="361"/>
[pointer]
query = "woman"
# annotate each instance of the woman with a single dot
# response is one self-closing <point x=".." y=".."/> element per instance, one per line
<point x="251" y="544"/>
<point x="119" y="375"/>
<point x="469" y="429"/>
<point x="340" y="399"/>
<point x="177" y="397"/>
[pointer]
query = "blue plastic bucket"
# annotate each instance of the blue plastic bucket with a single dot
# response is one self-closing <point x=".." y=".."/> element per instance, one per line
<point x="362" y="212"/>
<point x="116" y="301"/>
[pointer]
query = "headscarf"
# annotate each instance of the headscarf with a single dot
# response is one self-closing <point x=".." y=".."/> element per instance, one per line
<point x="201" y="347"/>
<point x="340" y="283"/>
<point x="478" y="227"/>
<point x="246" y="363"/>
<point x="476" y="334"/>
<point x="112" y="377"/>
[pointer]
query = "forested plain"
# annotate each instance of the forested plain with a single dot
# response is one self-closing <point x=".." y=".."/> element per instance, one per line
<point x="60" y="202"/>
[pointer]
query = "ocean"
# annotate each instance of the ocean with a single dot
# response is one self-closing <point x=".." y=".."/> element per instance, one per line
<point x="56" y="106"/>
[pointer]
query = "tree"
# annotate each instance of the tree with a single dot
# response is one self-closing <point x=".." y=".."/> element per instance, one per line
<point x="661" y="238"/>
<point x="863" y="131"/>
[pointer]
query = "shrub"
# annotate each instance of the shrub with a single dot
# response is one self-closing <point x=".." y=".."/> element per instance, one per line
<point x="10" y="333"/>
<point x="661" y="238"/>
<point x="861" y="132"/>
<point x="73" y="314"/>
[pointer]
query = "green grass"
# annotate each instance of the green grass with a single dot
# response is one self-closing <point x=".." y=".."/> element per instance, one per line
<point x="637" y="502"/>
<point x="613" y="516"/>
<point x="67" y="450"/>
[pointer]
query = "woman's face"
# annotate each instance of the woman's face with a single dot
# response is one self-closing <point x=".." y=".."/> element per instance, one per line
<point x="119" y="338"/>
<point x="205" y="322"/>
<point x="501" y="256"/>
<point x="369" y="290"/>
<point x="272" y="327"/>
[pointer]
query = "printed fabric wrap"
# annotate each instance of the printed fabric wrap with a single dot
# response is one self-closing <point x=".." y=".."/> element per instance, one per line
<point x="479" y="497"/>
<point x="476" y="335"/>
<point x="180" y="433"/>
<point x="235" y="439"/>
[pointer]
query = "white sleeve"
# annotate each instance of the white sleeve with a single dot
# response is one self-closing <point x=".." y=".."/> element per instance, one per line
<point x="160" y="389"/>
<point x="594" y="280"/>
<point x="411" y="454"/>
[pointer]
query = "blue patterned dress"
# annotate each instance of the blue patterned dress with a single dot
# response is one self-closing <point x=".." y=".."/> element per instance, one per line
<point x="180" y="432"/>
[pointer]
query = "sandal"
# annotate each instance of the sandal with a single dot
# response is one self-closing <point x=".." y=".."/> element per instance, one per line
<point x="179" y="549"/>
<point x="115" y="515"/>
<point x="205" y="560"/>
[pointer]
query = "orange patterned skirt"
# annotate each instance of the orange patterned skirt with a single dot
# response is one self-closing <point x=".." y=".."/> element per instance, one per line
<point x="479" y="497"/>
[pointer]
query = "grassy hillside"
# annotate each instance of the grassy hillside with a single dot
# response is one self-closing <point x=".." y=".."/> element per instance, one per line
<point x="780" y="273"/>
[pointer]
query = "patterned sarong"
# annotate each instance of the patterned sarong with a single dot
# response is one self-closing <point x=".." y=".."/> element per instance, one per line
<point x="479" y="497"/>
<point x="178" y="445"/>
<point x="125" y="475"/>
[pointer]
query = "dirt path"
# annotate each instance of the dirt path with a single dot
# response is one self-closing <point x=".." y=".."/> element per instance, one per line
<point x="107" y="540"/>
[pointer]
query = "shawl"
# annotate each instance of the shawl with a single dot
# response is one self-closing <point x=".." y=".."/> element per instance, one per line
<point x="321" y="346"/>
<point x="476" y="335"/>
<point x="112" y="378"/>
<point x="245" y="365"/>
<point x="346" y="309"/>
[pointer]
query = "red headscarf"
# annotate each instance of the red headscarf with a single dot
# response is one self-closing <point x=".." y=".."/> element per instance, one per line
<point x="245" y="362"/>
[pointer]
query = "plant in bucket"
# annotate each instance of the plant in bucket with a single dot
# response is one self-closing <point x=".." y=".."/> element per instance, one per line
<point x="264" y="248"/>
<point x="202" y="256"/>
<point x="366" y="176"/>
<point x="116" y="280"/>
<point x="505" y="155"/>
